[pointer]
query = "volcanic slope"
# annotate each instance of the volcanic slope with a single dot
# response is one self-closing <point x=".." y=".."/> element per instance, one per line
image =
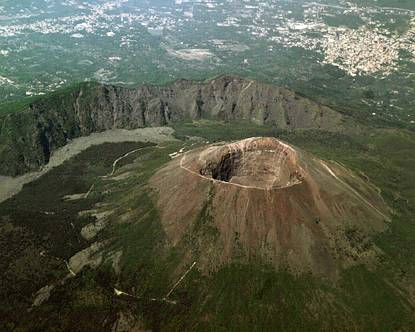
<point x="263" y="199"/>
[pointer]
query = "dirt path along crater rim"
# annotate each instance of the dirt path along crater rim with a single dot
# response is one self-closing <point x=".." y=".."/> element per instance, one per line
<point x="259" y="162"/>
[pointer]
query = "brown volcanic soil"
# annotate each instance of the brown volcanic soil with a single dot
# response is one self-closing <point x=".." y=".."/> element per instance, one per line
<point x="265" y="199"/>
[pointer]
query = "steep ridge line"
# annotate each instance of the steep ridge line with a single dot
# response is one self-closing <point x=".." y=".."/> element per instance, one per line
<point x="354" y="191"/>
<point x="29" y="137"/>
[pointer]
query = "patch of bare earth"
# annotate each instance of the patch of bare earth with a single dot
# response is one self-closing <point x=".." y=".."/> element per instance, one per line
<point x="268" y="200"/>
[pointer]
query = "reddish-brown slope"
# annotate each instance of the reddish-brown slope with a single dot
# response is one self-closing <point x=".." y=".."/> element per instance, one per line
<point x="268" y="200"/>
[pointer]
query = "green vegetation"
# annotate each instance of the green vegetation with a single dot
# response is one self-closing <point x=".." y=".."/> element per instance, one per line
<point x="39" y="219"/>
<point x="38" y="58"/>
<point x="239" y="296"/>
<point x="404" y="4"/>
<point x="52" y="98"/>
<point x="350" y="21"/>
<point x="16" y="106"/>
<point x="222" y="131"/>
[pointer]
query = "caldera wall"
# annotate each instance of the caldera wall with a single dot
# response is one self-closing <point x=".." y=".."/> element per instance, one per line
<point x="28" y="137"/>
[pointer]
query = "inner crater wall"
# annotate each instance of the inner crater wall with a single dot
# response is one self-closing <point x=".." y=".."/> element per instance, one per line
<point x="260" y="162"/>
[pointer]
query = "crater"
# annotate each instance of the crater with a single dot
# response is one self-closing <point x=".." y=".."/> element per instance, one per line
<point x="269" y="200"/>
<point x="260" y="162"/>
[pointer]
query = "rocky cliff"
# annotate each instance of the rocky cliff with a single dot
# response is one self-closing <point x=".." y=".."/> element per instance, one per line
<point x="28" y="137"/>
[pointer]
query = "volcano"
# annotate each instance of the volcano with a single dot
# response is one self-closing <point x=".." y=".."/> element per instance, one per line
<point x="260" y="198"/>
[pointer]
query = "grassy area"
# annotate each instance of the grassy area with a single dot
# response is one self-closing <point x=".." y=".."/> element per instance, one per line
<point x="222" y="131"/>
